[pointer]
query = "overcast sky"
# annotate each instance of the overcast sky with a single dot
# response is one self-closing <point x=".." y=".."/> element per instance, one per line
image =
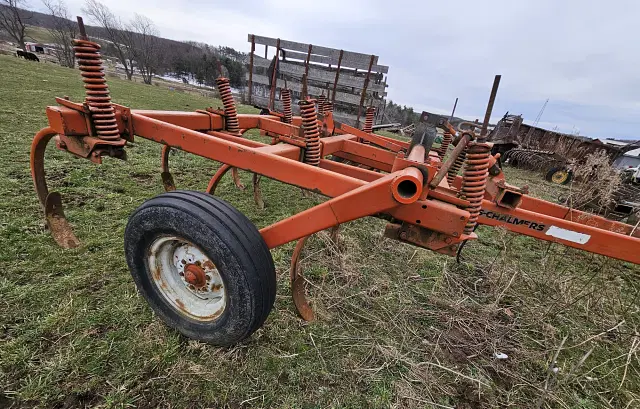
<point x="581" y="54"/>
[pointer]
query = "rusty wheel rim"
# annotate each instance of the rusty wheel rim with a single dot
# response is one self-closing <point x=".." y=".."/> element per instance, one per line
<point x="560" y="176"/>
<point x="186" y="278"/>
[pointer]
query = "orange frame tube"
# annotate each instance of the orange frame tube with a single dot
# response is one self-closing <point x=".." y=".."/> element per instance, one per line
<point x="355" y="192"/>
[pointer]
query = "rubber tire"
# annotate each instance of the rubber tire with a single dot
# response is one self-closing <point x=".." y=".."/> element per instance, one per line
<point x="549" y="175"/>
<point x="232" y="243"/>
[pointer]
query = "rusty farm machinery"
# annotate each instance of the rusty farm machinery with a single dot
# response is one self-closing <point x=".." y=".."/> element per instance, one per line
<point x="207" y="271"/>
<point x="560" y="157"/>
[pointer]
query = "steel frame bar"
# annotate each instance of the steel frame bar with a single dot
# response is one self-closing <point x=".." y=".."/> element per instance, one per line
<point x="354" y="191"/>
<point x="568" y="233"/>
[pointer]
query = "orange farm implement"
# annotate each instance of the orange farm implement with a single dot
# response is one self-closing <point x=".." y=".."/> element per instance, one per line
<point x="207" y="271"/>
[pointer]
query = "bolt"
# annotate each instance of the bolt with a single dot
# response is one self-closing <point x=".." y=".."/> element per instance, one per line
<point x="456" y="234"/>
<point x="63" y="145"/>
<point x="403" y="235"/>
<point x="461" y="217"/>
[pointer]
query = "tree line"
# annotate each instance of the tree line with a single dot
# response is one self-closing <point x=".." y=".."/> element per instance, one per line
<point x="402" y="114"/>
<point x="135" y="43"/>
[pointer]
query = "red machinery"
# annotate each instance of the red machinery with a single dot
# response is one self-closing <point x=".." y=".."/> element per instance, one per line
<point x="204" y="267"/>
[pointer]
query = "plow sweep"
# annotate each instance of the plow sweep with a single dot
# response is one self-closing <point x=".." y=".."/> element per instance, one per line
<point x="206" y="269"/>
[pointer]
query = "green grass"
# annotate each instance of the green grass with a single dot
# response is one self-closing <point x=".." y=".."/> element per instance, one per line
<point x="397" y="326"/>
<point x="38" y="34"/>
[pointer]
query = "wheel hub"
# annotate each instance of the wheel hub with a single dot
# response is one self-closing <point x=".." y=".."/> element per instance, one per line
<point x="187" y="278"/>
<point x="195" y="275"/>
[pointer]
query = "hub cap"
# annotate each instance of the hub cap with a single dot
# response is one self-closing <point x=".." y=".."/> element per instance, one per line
<point x="560" y="176"/>
<point x="187" y="278"/>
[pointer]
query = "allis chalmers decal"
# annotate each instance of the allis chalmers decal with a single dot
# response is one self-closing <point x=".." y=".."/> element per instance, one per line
<point x="512" y="220"/>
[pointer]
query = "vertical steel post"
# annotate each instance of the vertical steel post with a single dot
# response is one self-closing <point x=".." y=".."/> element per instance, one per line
<point x="83" y="33"/>
<point x="274" y="76"/>
<point x="335" y="82"/>
<point x="364" y="90"/>
<point x="305" y="76"/>
<point x="253" y="49"/>
<point x="487" y="115"/>
<point x="455" y="104"/>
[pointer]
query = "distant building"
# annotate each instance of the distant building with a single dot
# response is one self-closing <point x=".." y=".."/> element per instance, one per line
<point x="629" y="159"/>
<point x="48" y="49"/>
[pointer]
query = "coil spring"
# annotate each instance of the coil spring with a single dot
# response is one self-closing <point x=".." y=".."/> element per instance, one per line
<point x="328" y="107"/>
<point x="321" y="101"/>
<point x="444" y="146"/>
<point x="96" y="89"/>
<point x="368" y="120"/>
<point x="456" y="166"/>
<point x="474" y="180"/>
<point x="311" y="133"/>
<point x="230" y="111"/>
<point x="286" y="102"/>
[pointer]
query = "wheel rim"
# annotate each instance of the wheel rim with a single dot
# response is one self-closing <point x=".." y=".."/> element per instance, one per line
<point x="187" y="279"/>
<point x="560" y="176"/>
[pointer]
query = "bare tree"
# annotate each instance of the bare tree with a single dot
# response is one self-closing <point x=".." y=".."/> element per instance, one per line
<point x="146" y="46"/>
<point x="114" y="31"/>
<point x="63" y="32"/>
<point x="12" y="22"/>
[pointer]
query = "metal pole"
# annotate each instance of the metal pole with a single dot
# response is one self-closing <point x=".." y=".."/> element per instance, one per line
<point x="274" y="77"/>
<point x="487" y="115"/>
<point x="83" y="33"/>
<point x="303" y="94"/>
<point x="253" y="49"/>
<point x="364" y="89"/>
<point x="335" y="83"/>
<point x="455" y="104"/>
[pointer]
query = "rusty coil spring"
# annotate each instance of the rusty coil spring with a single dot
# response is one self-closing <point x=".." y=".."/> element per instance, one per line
<point x="474" y="180"/>
<point x="456" y="166"/>
<point x="328" y="107"/>
<point x="97" y="92"/>
<point x="230" y="111"/>
<point x="311" y="133"/>
<point x="368" y="120"/>
<point x="321" y="101"/>
<point x="444" y="146"/>
<point x="286" y="102"/>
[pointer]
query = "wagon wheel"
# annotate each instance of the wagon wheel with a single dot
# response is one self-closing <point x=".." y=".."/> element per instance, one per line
<point x="201" y="265"/>
<point x="559" y="175"/>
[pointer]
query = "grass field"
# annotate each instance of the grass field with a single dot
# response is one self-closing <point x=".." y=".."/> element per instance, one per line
<point x="397" y="326"/>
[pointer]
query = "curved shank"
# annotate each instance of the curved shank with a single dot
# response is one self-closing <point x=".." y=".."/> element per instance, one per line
<point x="51" y="202"/>
<point x="297" y="283"/>
<point x="167" y="178"/>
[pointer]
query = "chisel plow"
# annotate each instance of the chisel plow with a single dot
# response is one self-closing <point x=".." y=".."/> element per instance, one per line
<point x="206" y="270"/>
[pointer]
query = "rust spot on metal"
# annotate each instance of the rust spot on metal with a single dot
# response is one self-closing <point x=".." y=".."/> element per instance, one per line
<point x="216" y="287"/>
<point x="208" y="265"/>
<point x="194" y="275"/>
<point x="57" y="222"/>
<point x="180" y="304"/>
